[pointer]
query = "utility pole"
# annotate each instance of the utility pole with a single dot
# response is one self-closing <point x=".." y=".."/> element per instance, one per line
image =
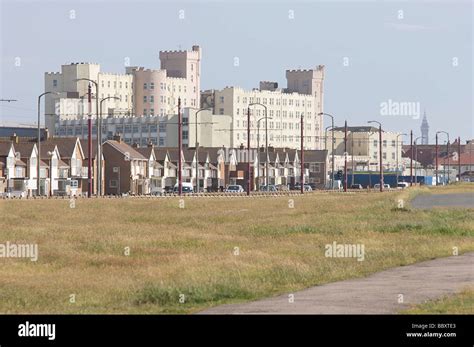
<point x="345" y="156"/>
<point x="302" y="154"/>
<point x="248" y="151"/>
<point x="380" y="153"/>
<point x="459" y="158"/>
<point x="436" y="159"/>
<point x="411" y="158"/>
<point x="89" y="142"/>
<point x="180" y="145"/>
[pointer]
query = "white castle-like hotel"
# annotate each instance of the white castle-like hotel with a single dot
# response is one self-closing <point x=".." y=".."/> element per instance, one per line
<point x="145" y="108"/>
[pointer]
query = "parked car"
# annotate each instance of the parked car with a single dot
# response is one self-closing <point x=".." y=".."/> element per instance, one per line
<point x="385" y="186"/>
<point x="270" y="188"/>
<point x="186" y="187"/>
<point x="235" y="188"/>
<point x="402" y="185"/>
<point x="307" y="187"/>
<point x="356" y="186"/>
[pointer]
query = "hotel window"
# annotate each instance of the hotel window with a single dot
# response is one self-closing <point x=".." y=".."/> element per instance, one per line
<point x="393" y="155"/>
<point x="152" y="111"/>
<point x="152" y="85"/>
<point x="153" y="128"/>
<point x="144" y="98"/>
<point x="144" y="112"/>
<point x="384" y="155"/>
<point x="128" y="128"/>
<point x="393" y="143"/>
<point x="162" y="127"/>
<point x="135" y="127"/>
<point x="179" y="89"/>
<point x="238" y="136"/>
<point x="375" y="143"/>
<point x="126" y="85"/>
<point x="221" y="111"/>
<point x="152" y="99"/>
<point x="145" y="86"/>
<point x="375" y="155"/>
<point x="126" y="97"/>
<point x="384" y="143"/>
<point x="115" y="84"/>
<point x="238" y="111"/>
<point x="120" y="85"/>
<point x="184" y="89"/>
<point x="185" y="134"/>
<point x="108" y="84"/>
<point x="102" y="84"/>
<point x="55" y="83"/>
<point x="221" y="99"/>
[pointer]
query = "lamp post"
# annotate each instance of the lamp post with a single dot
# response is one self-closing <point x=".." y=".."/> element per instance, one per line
<point x="258" y="144"/>
<point x="248" y="152"/>
<point x="38" y="144"/>
<point x="332" y="146"/>
<point x="302" y="153"/>
<point x="436" y="158"/>
<point x="98" y="126"/>
<point x="197" y="143"/>
<point x="447" y="146"/>
<point x="380" y="154"/>
<point x="397" y="153"/>
<point x="99" y="141"/>
<point x="266" y="140"/>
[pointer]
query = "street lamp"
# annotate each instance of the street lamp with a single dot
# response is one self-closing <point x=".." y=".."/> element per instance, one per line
<point x="38" y="144"/>
<point x="99" y="141"/>
<point x="380" y="147"/>
<point x="266" y="141"/>
<point x="332" y="146"/>
<point x="258" y="145"/>
<point x="397" y="153"/>
<point x="447" y="147"/>
<point x="98" y="126"/>
<point x="197" y="143"/>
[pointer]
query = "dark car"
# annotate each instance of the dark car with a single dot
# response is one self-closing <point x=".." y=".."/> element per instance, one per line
<point x="356" y="186"/>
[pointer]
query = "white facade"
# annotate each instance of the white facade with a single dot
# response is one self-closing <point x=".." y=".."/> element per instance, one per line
<point x="303" y="96"/>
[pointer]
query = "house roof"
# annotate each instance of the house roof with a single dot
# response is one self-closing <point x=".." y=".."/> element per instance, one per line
<point x="145" y="151"/>
<point x="24" y="148"/>
<point x="62" y="164"/>
<point x="358" y="129"/>
<point x="124" y="148"/>
<point x="5" y="148"/>
<point x="84" y="146"/>
<point x="66" y="145"/>
<point x="19" y="162"/>
<point x="314" y="156"/>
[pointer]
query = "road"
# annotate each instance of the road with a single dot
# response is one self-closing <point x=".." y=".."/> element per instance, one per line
<point x="375" y="294"/>
<point x="465" y="200"/>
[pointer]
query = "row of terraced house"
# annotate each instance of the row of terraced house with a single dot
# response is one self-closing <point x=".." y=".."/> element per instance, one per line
<point x="145" y="170"/>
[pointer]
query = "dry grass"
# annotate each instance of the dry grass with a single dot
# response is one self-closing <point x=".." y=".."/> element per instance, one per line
<point x="190" y="251"/>
<point x="460" y="303"/>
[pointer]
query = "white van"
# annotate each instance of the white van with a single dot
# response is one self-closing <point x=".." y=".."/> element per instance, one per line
<point x="186" y="187"/>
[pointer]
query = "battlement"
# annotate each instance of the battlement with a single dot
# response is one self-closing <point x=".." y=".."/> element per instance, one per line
<point x="52" y="73"/>
<point x="195" y="53"/>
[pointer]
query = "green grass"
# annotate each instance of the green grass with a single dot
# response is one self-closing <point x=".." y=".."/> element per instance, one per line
<point x="192" y="251"/>
<point x="460" y="303"/>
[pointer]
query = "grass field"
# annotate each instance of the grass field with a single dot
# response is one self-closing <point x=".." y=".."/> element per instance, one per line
<point x="460" y="303"/>
<point x="212" y="251"/>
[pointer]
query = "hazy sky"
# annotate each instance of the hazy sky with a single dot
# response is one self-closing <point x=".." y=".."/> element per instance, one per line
<point x="374" y="51"/>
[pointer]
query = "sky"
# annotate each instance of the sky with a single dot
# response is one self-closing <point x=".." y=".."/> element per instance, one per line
<point x="379" y="56"/>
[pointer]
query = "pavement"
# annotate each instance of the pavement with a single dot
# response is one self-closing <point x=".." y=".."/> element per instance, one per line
<point x="465" y="200"/>
<point x="378" y="293"/>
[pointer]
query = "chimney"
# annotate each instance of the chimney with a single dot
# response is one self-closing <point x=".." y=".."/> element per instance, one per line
<point x="46" y="134"/>
<point x="150" y="144"/>
<point x="118" y="137"/>
<point x="135" y="145"/>
<point x="14" y="138"/>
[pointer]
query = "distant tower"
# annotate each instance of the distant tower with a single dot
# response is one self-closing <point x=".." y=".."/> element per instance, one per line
<point x="425" y="129"/>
